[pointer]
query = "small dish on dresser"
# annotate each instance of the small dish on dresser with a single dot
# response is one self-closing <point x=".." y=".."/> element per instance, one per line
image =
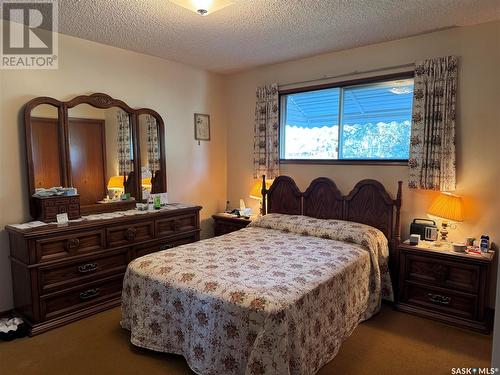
<point x="459" y="247"/>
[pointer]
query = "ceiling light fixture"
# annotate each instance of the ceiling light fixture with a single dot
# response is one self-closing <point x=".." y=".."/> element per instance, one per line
<point x="203" y="7"/>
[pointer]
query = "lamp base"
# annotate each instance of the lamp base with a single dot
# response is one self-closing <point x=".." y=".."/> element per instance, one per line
<point x="444" y="231"/>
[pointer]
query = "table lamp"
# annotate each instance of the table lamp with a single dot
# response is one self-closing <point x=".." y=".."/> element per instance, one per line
<point x="115" y="184"/>
<point x="256" y="192"/>
<point x="447" y="207"/>
<point x="146" y="183"/>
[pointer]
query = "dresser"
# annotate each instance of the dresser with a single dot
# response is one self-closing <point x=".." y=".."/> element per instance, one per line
<point x="225" y="223"/>
<point x="64" y="273"/>
<point x="444" y="285"/>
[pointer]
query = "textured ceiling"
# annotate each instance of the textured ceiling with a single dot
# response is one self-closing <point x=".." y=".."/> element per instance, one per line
<point x="250" y="33"/>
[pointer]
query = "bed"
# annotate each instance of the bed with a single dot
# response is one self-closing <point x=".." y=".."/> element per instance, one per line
<point x="278" y="297"/>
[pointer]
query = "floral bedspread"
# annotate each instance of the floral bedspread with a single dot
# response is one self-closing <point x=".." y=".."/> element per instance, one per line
<point x="278" y="297"/>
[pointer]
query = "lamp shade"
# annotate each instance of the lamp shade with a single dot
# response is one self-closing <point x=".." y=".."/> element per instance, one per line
<point x="115" y="182"/>
<point x="256" y="192"/>
<point x="146" y="182"/>
<point x="447" y="206"/>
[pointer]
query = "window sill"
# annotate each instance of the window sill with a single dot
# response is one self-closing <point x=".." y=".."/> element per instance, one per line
<point x="345" y="162"/>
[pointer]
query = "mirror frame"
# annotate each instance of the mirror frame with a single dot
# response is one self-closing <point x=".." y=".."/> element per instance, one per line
<point x="41" y="100"/>
<point x="101" y="101"/>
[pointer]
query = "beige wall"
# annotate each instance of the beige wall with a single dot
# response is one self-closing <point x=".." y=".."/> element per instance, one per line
<point x="478" y="122"/>
<point x="196" y="173"/>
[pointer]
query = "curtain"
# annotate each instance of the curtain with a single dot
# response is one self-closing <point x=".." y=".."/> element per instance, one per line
<point x="432" y="163"/>
<point x="266" y="133"/>
<point x="153" y="145"/>
<point x="124" y="150"/>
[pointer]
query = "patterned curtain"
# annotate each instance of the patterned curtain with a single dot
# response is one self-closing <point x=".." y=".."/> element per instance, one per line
<point x="432" y="163"/>
<point x="124" y="153"/>
<point x="153" y="145"/>
<point x="266" y="133"/>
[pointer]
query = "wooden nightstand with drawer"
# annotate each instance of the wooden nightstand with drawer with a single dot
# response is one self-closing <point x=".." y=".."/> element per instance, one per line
<point x="225" y="223"/>
<point x="444" y="285"/>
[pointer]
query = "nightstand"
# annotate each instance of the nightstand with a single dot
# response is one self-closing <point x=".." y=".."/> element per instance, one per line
<point x="225" y="223"/>
<point x="438" y="283"/>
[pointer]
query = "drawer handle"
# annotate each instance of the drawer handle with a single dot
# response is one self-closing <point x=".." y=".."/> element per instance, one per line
<point x="438" y="298"/>
<point x="73" y="243"/>
<point x="89" y="293"/>
<point x="130" y="234"/>
<point x="440" y="272"/>
<point x="89" y="267"/>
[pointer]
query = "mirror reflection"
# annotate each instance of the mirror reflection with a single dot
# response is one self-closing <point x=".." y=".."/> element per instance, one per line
<point x="151" y="180"/>
<point x="101" y="154"/>
<point x="46" y="153"/>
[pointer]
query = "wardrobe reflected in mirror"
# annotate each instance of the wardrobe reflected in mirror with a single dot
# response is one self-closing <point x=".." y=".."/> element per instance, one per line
<point x="101" y="153"/>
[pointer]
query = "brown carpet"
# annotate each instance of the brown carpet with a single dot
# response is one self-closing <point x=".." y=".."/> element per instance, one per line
<point x="390" y="343"/>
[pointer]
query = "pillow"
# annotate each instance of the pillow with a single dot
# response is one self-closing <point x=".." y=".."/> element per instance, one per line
<point x="334" y="229"/>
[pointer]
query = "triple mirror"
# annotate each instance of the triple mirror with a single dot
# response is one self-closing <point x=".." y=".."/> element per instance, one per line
<point x="112" y="154"/>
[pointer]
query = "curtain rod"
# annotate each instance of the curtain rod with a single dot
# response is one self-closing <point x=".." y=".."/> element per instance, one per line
<point x="356" y="72"/>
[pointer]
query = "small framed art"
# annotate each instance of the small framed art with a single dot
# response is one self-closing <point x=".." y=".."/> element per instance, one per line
<point x="201" y="127"/>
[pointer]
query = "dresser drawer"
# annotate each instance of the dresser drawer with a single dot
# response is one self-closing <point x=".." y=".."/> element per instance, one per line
<point x="175" y="225"/>
<point x="79" y="298"/>
<point x="120" y="235"/>
<point x="72" y="273"/>
<point x="438" y="299"/>
<point x="51" y="212"/>
<point x="69" y="245"/>
<point x="141" y="250"/>
<point x="449" y="274"/>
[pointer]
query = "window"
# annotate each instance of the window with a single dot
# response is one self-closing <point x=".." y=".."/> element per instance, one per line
<point x="370" y="121"/>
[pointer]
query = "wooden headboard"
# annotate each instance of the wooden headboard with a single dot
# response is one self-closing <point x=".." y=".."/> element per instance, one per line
<point x="367" y="203"/>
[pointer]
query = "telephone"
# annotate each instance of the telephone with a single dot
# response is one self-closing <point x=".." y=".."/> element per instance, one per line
<point x="246" y="213"/>
<point x="234" y="212"/>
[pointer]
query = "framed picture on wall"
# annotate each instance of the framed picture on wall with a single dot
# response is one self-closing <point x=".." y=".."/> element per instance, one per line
<point x="201" y="127"/>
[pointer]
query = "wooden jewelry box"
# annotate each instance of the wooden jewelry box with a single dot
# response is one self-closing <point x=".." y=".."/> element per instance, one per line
<point x="47" y="208"/>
